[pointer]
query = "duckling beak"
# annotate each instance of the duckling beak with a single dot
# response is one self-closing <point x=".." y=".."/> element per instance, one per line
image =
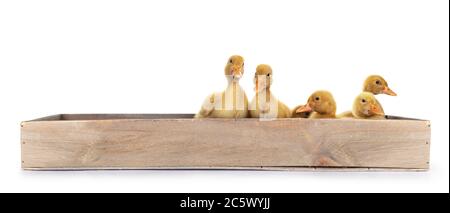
<point x="237" y="76"/>
<point x="388" y="91"/>
<point x="305" y="108"/>
<point x="376" y="110"/>
<point x="236" y="72"/>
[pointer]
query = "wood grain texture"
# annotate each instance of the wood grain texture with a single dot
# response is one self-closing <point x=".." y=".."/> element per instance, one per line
<point x="262" y="168"/>
<point x="180" y="142"/>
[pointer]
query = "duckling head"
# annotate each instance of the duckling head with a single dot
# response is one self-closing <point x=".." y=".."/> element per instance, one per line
<point x="321" y="102"/>
<point x="377" y="85"/>
<point x="366" y="105"/>
<point x="235" y="68"/>
<point x="263" y="77"/>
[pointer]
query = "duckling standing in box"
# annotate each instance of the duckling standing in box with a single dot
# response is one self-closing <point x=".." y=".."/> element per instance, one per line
<point x="231" y="103"/>
<point x="265" y="104"/>
<point x="320" y="104"/>
<point x="366" y="106"/>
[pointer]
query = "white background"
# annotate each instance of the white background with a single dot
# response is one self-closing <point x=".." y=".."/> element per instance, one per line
<point x="166" y="56"/>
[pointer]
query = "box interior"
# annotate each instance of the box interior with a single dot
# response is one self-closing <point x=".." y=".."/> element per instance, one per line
<point x="80" y="117"/>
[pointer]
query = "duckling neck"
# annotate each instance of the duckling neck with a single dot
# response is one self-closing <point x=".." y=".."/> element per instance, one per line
<point x="266" y="92"/>
<point x="357" y="114"/>
<point x="233" y="85"/>
<point x="322" y="115"/>
<point x="327" y="114"/>
<point x="330" y="113"/>
<point x="234" y="94"/>
<point x="232" y="81"/>
<point x="366" y="89"/>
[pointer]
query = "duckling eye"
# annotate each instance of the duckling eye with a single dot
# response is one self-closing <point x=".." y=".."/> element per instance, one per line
<point x="363" y="101"/>
<point x="378" y="82"/>
<point x="268" y="75"/>
<point x="317" y="98"/>
<point x="231" y="61"/>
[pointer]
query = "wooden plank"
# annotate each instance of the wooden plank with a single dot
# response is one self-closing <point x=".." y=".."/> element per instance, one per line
<point x="224" y="143"/>
<point x="263" y="168"/>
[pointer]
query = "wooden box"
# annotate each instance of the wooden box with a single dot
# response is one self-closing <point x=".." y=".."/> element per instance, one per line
<point x="151" y="141"/>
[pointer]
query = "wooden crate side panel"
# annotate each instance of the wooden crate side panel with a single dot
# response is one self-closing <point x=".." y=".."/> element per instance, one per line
<point x="225" y="143"/>
<point x="258" y="168"/>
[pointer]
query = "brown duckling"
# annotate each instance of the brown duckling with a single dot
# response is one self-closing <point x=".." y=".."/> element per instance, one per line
<point x="265" y="104"/>
<point x="231" y="103"/>
<point x="321" y="104"/>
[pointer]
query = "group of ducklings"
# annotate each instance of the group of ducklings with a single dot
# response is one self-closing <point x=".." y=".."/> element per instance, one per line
<point x="233" y="102"/>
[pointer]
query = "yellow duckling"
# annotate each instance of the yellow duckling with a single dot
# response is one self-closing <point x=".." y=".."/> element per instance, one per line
<point x="321" y="104"/>
<point x="374" y="84"/>
<point x="366" y="106"/>
<point x="231" y="103"/>
<point x="265" y="104"/>
<point x="377" y="85"/>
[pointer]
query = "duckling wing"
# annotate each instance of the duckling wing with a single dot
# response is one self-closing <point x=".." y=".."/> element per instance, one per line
<point x="283" y="110"/>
